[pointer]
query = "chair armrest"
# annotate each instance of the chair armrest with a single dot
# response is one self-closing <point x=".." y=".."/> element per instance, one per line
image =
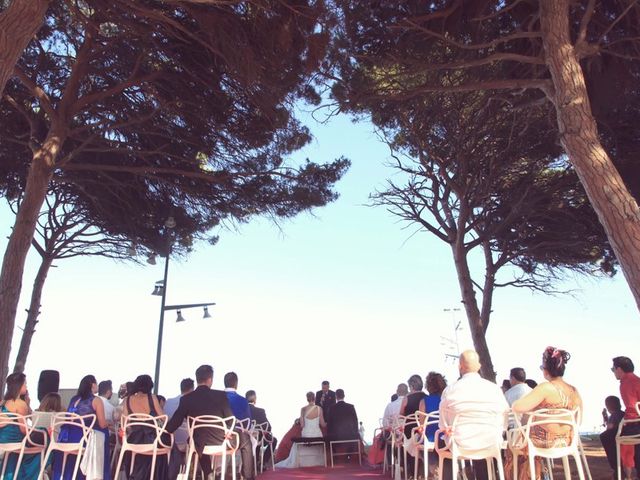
<point x="516" y="438"/>
<point x="447" y="446"/>
<point x="162" y="444"/>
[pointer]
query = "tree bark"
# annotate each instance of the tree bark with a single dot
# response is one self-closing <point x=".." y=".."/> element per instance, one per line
<point x="40" y="173"/>
<point x="616" y="208"/>
<point x="473" y="313"/>
<point x="18" y="24"/>
<point x="32" y="314"/>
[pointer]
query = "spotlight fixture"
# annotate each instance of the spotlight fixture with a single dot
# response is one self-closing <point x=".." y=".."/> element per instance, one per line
<point x="206" y="313"/>
<point x="180" y="317"/>
<point x="151" y="259"/>
<point x="158" y="290"/>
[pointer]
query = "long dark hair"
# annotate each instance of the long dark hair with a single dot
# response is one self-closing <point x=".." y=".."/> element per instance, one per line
<point x="15" y="381"/>
<point x="84" y="390"/>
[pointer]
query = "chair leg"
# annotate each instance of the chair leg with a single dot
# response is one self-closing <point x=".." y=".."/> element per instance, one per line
<point x="43" y="464"/>
<point x="454" y="468"/>
<point x="532" y="466"/>
<point x="490" y="472"/>
<point x="578" y="461"/>
<point x="618" y="460"/>
<point x="566" y="468"/>
<point x="233" y="467"/>
<point x="120" y="459"/>
<point x="583" y="457"/>
<point x="501" y="469"/>
<point x="76" y="465"/>
<point x="5" y="461"/>
<point x="153" y="465"/>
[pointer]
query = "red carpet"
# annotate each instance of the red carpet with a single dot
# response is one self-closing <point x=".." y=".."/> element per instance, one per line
<point x="342" y="472"/>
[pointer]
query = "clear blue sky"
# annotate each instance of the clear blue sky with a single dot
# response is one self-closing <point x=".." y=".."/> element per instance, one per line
<point x="344" y="294"/>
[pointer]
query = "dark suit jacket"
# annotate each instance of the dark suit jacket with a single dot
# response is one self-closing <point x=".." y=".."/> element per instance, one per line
<point x="202" y="401"/>
<point x="258" y="414"/>
<point x="329" y="401"/>
<point x="342" y="423"/>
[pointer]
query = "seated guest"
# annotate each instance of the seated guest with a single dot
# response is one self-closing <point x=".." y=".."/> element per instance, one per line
<point x="392" y="410"/>
<point x="518" y="388"/>
<point x="506" y="385"/>
<point x="411" y="403"/>
<point x="472" y="394"/>
<point x="143" y="401"/>
<point x="181" y="436"/>
<point x="554" y="393"/>
<point x="203" y="401"/>
<point x="50" y="404"/>
<point x="14" y="403"/>
<point x="260" y="417"/>
<point x="85" y="402"/>
<point x="612" y="415"/>
<point x="436" y="384"/>
<point x="239" y="404"/>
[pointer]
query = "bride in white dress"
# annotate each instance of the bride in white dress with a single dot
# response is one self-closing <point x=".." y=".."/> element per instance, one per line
<point x="311" y="419"/>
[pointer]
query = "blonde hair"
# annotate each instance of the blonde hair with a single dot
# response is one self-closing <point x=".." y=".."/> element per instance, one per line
<point x="51" y="402"/>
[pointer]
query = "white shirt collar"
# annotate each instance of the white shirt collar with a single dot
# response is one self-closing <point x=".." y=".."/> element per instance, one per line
<point x="229" y="389"/>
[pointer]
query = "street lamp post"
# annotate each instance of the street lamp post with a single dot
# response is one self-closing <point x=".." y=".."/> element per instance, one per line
<point x="161" y="289"/>
<point x="453" y="341"/>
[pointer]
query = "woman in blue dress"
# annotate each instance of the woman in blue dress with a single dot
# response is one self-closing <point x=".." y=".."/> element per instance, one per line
<point x="84" y="402"/>
<point x="14" y="404"/>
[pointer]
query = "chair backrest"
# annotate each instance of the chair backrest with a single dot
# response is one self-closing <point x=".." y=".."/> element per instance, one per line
<point x="225" y="426"/>
<point x="246" y="424"/>
<point x="638" y="408"/>
<point x="473" y="433"/>
<point x="425" y="421"/>
<point x="84" y="422"/>
<point x="19" y="421"/>
<point x="143" y="421"/>
<point x="556" y="417"/>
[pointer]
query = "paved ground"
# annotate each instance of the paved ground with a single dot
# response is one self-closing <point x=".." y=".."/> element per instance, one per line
<point x="595" y="457"/>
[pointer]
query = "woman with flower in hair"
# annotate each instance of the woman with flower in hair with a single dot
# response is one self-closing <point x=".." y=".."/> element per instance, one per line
<point x="555" y="393"/>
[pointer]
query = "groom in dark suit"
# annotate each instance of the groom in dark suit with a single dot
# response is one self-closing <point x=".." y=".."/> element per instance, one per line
<point x="325" y="398"/>
<point x="342" y="422"/>
<point x="203" y="401"/>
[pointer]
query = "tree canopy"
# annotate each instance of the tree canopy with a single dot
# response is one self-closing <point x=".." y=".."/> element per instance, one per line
<point x="181" y="108"/>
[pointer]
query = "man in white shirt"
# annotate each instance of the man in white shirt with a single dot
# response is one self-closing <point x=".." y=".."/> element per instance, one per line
<point x="105" y="391"/>
<point x="392" y="410"/>
<point x="518" y="388"/>
<point x="472" y="394"/>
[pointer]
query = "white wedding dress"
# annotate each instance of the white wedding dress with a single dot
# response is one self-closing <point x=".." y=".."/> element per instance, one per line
<point x="306" y="455"/>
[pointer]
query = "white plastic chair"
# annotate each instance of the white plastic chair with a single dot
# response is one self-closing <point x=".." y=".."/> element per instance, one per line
<point x="246" y="425"/>
<point x="412" y="422"/>
<point x="20" y="448"/>
<point x="626" y="439"/>
<point x="143" y="421"/>
<point x="481" y="422"/>
<point x="70" y="420"/>
<point x="546" y="418"/>
<point x="228" y="447"/>
<point x="422" y="443"/>
<point x="265" y="443"/>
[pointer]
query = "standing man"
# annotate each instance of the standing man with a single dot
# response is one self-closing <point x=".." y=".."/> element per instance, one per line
<point x="325" y="398"/>
<point x="342" y="423"/>
<point x="473" y="394"/>
<point x="105" y="392"/>
<point x="630" y="393"/>
<point x="203" y="401"/>
<point x="181" y="436"/>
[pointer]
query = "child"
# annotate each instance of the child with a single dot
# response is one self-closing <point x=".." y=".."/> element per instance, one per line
<point x="612" y="416"/>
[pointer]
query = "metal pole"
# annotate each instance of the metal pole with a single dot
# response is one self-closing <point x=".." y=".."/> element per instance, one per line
<point x="161" y="326"/>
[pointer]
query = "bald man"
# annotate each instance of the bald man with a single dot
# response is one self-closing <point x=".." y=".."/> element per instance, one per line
<point x="392" y="410"/>
<point x="474" y="395"/>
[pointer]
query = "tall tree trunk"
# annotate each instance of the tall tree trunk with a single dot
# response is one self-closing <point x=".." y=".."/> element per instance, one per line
<point x="473" y="313"/>
<point x="40" y="173"/>
<point x="32" y="314"/>
<point x="18" y="24"/>
<point x="617" y="210"/>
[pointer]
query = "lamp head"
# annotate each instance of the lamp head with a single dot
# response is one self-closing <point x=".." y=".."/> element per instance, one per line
<point x="180" y="317"/>
<point x="206" y="313"/>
